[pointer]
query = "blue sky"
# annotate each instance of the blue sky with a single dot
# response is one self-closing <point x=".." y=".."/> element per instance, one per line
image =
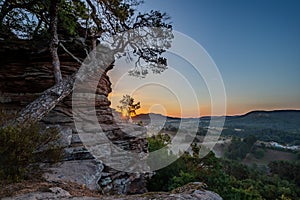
<point x="255" y="45"/>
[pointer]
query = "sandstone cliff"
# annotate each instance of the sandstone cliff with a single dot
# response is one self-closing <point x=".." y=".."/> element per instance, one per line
<point x="25" y="73"/>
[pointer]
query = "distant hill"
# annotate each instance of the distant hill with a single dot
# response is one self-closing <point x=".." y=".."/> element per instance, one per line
<point x="277" y="113"/>
<point x="287" y="120"/>
<point x="257" y="117"/>
<point x="148" y="116"/>
<point x="282" y="126"/>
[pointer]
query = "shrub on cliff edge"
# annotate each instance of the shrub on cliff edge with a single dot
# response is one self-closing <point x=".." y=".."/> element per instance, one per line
<point x="23" y="147"/>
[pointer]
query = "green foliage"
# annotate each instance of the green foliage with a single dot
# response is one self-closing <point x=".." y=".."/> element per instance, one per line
<point x="279" y="126"/>
<point x="29" y="18"/>
<point x="258" y="153"/>
<point x="238" y="148"/>
<point x="286" y="170"/>
<point x="23" y="147"/>
<point x="69" y="13"/>
<point x="23" y="18"/>
<point x="158" y="141"/>
<point x="230" y="179"/>
<point x="161" y="180"/>
<point x="87" y="22"/>
<point x="235" y="169"/>
<point x="183" y="179"/>
<point x="265" y="134"/>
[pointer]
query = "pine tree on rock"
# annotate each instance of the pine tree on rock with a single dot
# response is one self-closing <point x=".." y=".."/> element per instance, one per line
<point x="90" y="23"/>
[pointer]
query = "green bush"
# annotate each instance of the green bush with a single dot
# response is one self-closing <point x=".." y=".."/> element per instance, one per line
<point x="23" y="147"/>
<point x="230" y="179"/>
<point x="238" y="149"/>
<point x="258" y="153"/>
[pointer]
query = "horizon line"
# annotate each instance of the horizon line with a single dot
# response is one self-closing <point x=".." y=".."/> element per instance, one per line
<point x="234" y="115"/>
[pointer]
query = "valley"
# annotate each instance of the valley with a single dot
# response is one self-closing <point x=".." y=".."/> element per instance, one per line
<point x="277" y="133"/>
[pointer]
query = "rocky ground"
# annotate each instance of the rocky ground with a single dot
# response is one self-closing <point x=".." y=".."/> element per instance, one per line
<point x="39" y="190"/>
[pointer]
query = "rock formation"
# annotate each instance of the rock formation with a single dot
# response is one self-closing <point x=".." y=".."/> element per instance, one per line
<point x="72" y="191"/>
<point x="58" y="193"/>
<point x="25" y="73"/>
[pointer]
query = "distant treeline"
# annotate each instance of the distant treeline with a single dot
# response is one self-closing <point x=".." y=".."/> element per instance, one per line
<point x="268" y="133"/>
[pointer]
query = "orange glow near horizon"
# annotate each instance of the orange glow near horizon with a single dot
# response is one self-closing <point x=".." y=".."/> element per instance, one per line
<point x="173" y="109"/>
<point x="170" y="94"/>
<point x="165" y="106"/>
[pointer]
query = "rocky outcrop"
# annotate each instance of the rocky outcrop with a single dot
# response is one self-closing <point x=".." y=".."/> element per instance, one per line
<point x="25" y="73"/>
<point x="55" y="192"/>
<point x="58" y="193"/>
<point x="52" y="193"/>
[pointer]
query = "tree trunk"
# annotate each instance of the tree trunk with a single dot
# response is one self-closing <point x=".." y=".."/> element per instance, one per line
<point x="54" y="41"/>
<point x="37" y="109"/>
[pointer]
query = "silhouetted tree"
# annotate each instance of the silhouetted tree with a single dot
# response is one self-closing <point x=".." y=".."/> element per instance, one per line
<point x="128" y="107"/>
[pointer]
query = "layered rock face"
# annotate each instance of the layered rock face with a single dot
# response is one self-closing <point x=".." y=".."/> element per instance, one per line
<point x="25" y="73"/>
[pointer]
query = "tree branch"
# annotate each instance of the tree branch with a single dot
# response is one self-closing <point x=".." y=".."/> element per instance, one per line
<point x="54" y="40"/>
<point x="66" y="50"/>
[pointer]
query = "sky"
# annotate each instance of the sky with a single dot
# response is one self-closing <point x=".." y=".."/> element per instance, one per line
<point x="255" y="46"/>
